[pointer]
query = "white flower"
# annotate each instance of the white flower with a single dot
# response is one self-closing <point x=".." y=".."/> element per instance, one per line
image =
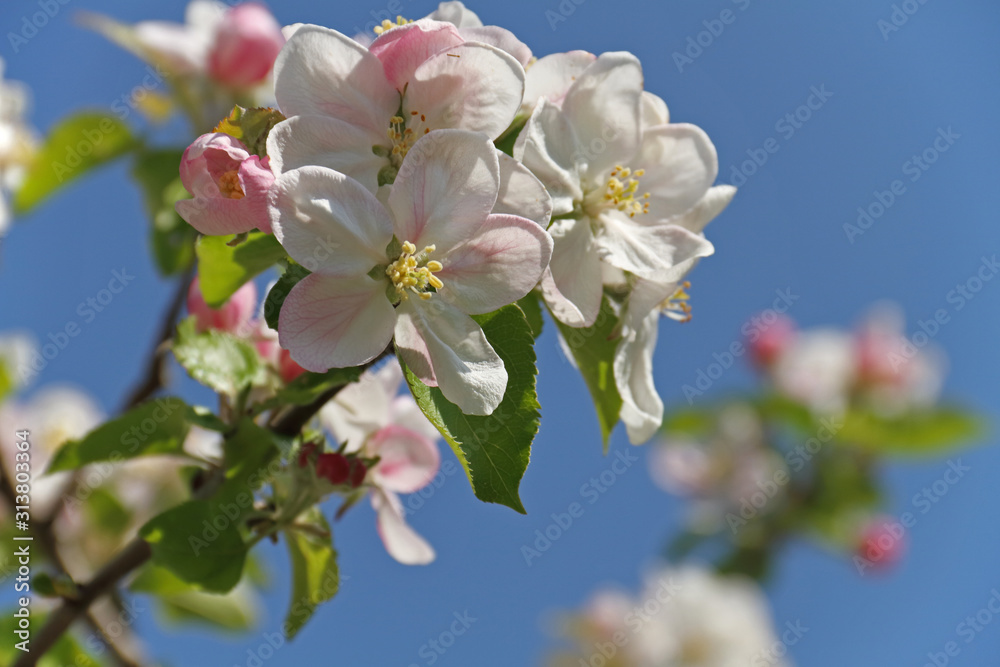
<point x="817" y="369"/>
<point x="471" y="27"/>
<point x="411" y="270"/>
<point x="17" y="142"/>
<point x="374" y="420"/>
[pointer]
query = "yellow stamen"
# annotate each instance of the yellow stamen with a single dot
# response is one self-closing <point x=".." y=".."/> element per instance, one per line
<point x="389" y="25"/>
<point x="412" y="272"/>
<point x="402" y="137"/>
<point x="621" y="188"/>
<point x="229" y="185"/>
<point x="676" y="306"/>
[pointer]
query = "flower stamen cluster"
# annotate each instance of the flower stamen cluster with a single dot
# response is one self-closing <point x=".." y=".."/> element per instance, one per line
<point x="413" y="272"/>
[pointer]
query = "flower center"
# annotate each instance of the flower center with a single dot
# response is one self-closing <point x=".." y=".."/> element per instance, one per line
<point x="676" y="306"/>
<point x="389" y="25"/>
<point x="229" y="185"/>
<point x="412" y="272"/>
<point x="620" y="192"/>
<point x="403" y="137"/>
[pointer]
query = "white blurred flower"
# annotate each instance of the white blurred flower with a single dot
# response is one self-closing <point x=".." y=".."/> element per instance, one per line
<point x="817" y="369"/>
<point x="17" y="142"/>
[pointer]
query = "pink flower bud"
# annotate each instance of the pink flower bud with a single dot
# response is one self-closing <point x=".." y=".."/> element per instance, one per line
<point x="768" y="341"/>
<point x="266" y="340"/>
<point x="246" y="43"/>
<point x="229" y="186"/>
<point x="334" y="467"/>
<point x="233" y="317"/>
<point x="882" y="543"/>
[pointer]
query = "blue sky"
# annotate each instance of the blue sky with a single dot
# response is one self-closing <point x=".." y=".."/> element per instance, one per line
<point x="890" y="94"/>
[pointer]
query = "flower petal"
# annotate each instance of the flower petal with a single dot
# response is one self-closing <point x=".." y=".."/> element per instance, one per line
<point x="502" y="262"/>
<point x="551" y="77"/>
<point x="604" y="107"/>
<point x="328" y="222"/>
<point x="457" y="14"/>
<point x="408" y="460"/>
<point x="323" y="141"/>
<point x="681" y="164"/>
<point x="445" y="188"/>
<point x="654" y="110"/>
<point x="642" y="408"/>
<point x="573" y="284"/>
<point x="445" y="347"/>
<point x="711" y="205"/>
<point x="549" y="148"/>
<point x="403" y="49"/>
<point x="359" y="410"/>
<point x="322" y="72"/>
<point x="401" y="541"/>
<point x="471" y="86"/>
<point x="647" y="249"/>
<point x="521" y="193"/>
<point x="329" y="322"/>
<point x="501" y="38"/>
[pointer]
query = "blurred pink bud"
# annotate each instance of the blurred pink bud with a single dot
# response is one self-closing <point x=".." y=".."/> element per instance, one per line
<point x="883" y="543"/>
<point x="266" y="340"/>
<point x="233" y="317"/>
<point x="246" y="43"/>
<point x="768" y="341"/>
<point x="229" y="186"/>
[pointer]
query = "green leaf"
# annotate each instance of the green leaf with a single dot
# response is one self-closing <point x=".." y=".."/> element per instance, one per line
<point x="107" y="513"/>
<point x="156" y="427"/>
<point x="505" y="142"/>
<point x="276" y="297"/>
<point x="315" y="576"/>
<point x="171" y="238"/>
<point x="237" y="610"/>
<point x="247" y="455"/>
<point x="531" y="306"/>
<point x="930" y="431"/>
<point x="494" y="450"/>
<point x="306" y="388"/>
<point x="217" y="359"/>
<point x="251" y="126"/>
<point x="74" y="146"/>
<point x="7" y="382"/>
<point x="593" y="350"/>
<point x="223" y="269"/>
<point x="691" y="421"/>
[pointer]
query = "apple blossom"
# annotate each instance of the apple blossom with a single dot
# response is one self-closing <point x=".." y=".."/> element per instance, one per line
<point x="245" y="44"/>
<point x="771" y="340"/>
<point x="17" y="142"/>
<point x="615" y="185"/>
<point x="229" y="186"/>
<point x="359" y="110"/>
<point x="232" y="317"/>
<point x="882" y="544"/>
<point x="413" y="269"/>
<point x="471" y="27"/>
<point x="373" y="420"/>
<point x="17" y="351"/>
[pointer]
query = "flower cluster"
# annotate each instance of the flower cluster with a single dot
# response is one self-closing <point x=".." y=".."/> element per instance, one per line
<point x="17" y="142"/>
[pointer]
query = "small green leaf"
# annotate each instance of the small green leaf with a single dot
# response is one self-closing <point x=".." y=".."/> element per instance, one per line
<point x="74" y="146"/>
<point x="156" y="427"/>
<point x="315" y="576"/>
<point x="531" y="306"/>
<point x="925" y="432"/>
<point x="276" y="297"/>
<point x="494" y="450"/>
<point x="691" y="422"/>
<point x="238" y="610"/>
<point x="251" y="126"/>
<point x="505" y="142"/>
<point x="7" y="382"/>
<point x="223" y="269"/>
<point x="43" y="584"/>
<point x="171" y="238"/>
<point x="217" y="359"/>
<point x="306" y="388"/>
<point x="593" y="350"/>
<point x="107" y="513"/>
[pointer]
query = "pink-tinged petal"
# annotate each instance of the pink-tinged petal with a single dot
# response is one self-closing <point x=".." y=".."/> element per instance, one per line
<point x="443" y="345"/>
<point x="406" y="412"/>
<point x="603" y="106"/>
<point x="573" y="285"/>
<point x="323" y="141"/>
<point x="233" y="317"/>
<point x="680" y="163"/>
<point x="402" y="50"/>
<point x="246" y="43"/>
<point x="328" y="222"/>
<point x="521" y="193"/>
<point x="335" y="322"/>
<point x="408" y="460"/>
<point x="551" y="77"/>
<point x="256" y="179"/>
<point x="654" y="110"/>
<point x="549" y="148"/>
<point x="502" y="262"/>
<point x="445" y="188"/>
<point x="711" y="205"/>
<point x="471" y="86"/>
<point x="501" y="38"/>
<point x="322" y="72"/>
<point x="363" y="407"/>
<point x="401" y="541"/>
<point x="457" y="14"/>
<point x="647" y="249"/>
<point x="642" y="408"/>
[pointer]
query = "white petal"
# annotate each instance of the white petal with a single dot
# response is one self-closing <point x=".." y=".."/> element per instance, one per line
<point x="445" y="347"/>
<point x="406" y="412"/>
<point x="573" y="285"/>
<point x="551" y="77"/>
<point x="328" y="222"/>
<point x="549" y="148"/>
<point x="680" y="163"/>
<point x="359" y="410"/>
<point x="335" y="322"/>
<point x="322" y="72"/>
<point x="654" y="110"/>
<point x="401" y="541"/>
<point x="642" y="408"/>
<point x="408" y="460"/>
<point x="711" y="205"/>
<point x="502" y="39"/>
<point x="457" y="14"/>
<point x="445" y="189"/>
<point x="647" y="249"/>
<point x="521" y="193"/>
<point x="603" y="106"/>
<point x="471" y="87"/>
